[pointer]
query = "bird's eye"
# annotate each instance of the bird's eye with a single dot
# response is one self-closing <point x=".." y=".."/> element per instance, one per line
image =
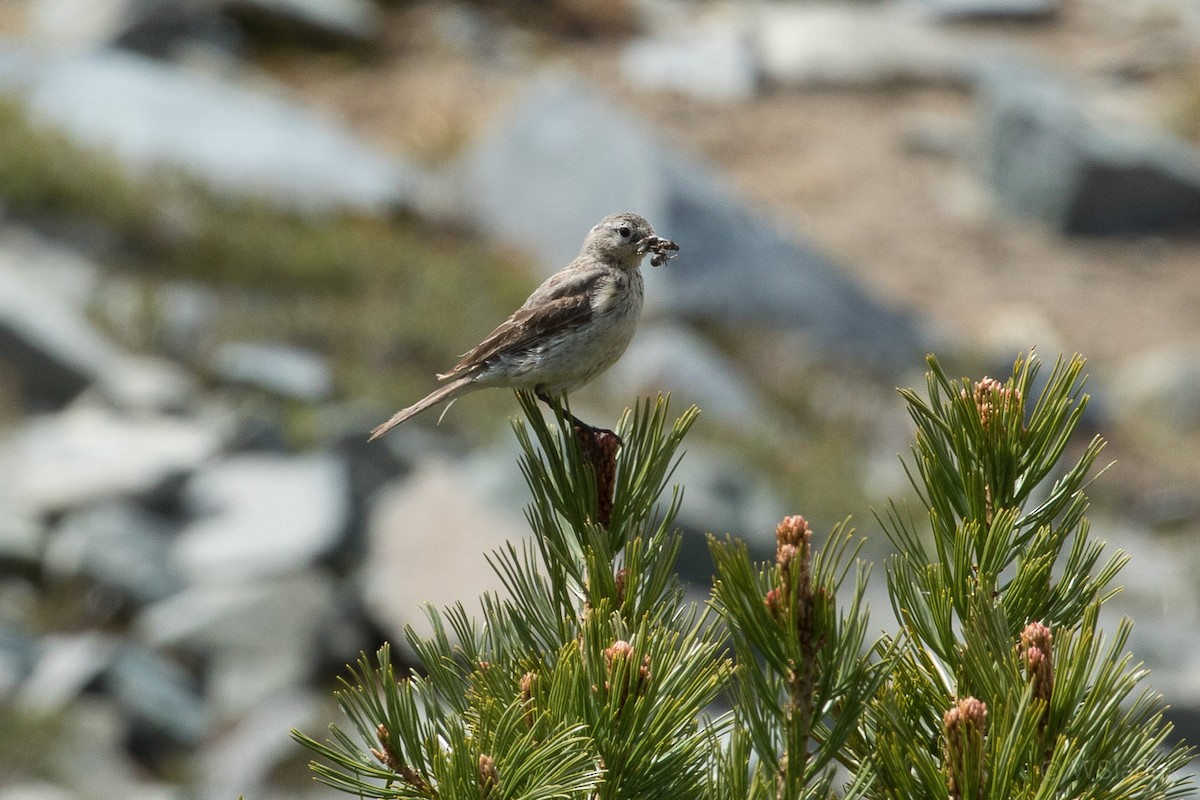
<point x="624" y="231"/>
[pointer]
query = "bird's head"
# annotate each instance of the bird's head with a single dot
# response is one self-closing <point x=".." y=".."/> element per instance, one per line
<point x="627" y="238"/>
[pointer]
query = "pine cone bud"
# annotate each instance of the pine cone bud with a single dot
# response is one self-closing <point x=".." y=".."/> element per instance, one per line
<point x="489" y="777"/>
<point x="993" y="398"/>
<point x="615" y="658"/>
<point x="528" y="686"/>
<point x="774" y="604"/>
<point x="792" y="530"/>
<point x="1037" y="655"/>
<point x="965" y="726"/>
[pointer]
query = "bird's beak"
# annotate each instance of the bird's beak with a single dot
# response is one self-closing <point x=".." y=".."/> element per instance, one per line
<point x="663" y="249"/>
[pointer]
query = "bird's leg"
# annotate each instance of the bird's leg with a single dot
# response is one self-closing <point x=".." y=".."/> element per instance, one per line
<point x="581" y="427"/>
<point x="599" y="447"/>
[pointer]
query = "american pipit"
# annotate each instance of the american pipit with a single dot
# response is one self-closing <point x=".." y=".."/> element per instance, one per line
<point x="573" y="327"/>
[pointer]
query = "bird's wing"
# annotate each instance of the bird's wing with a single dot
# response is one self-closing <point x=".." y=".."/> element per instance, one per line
<point x="563" y="302"/>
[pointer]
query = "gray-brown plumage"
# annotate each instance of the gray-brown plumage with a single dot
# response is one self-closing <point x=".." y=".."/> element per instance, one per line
<point x="573" y="327"/>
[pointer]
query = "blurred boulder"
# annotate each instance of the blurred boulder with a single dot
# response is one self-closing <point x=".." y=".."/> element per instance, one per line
<point x="857" y="45"/>
<point x="242" y="142"/>
<point x="186" y="319"/>
<point x="1161" y="386"/>
<point x="666" y="357"/>
<point x="48" y="349"/>
<point x="59" y="462"/>
<point x="118" y="545"/>
<point x="428" y="538"/>
<point x="22" y="535"/>
<point x="160" y="700"/>
<point x="259" y="515"/>
<point x="287" y="371"/>
<point x="710" y="63"/>
<point x="66" y="665"/>
<point x="150" y="27"/>
<point x="724" y="495"/>
<point x="318" y="22"/>
<point x="1045" y="156"/>
<point x="566" y="158"/>
<point x="257" y="637"/>
<point x="983" y="10"/>
<point x="240" y="759"/>
<point x="18" y="655"/>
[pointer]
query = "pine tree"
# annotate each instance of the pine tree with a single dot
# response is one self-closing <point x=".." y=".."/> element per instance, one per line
<point x="591" y="676"/>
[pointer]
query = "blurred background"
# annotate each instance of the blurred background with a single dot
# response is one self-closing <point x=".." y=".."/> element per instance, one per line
<point x="236" y="234"/>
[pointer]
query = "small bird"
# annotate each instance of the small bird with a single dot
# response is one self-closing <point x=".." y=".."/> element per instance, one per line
<point x="573" y="327"/>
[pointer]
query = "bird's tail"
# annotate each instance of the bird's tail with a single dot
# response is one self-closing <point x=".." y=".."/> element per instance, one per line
<point x="448" y="392"/>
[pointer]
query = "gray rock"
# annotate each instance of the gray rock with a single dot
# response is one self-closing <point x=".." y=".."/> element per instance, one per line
<point x="90" y="758"/>
<point x="18" y="655"/>
<point x="716" y="63"/>
<point x="65" y="461"/>
<point x="186" y="318"/>
<point x="157" y="695"/>
<point x="566" y="158"/>
<point x="243" y="143"/>
<point x="118" y="545"/>
<point x="152" y="27"/>
<point x="1045" y="156"/>
<point x="857" y="45"/>
<point x="258" y="515"/>
<point x="1162" y="388"/>
<point x="239" y="762"/>
<point x="258" y="638"/>
<point x="325" y="22"/>
<point x="427" y="540"/>
<point x="280" y="369"/>
<point x="971" y="10"/>
<point x="22" y="534"/>
<point x="36" y="791"/>
<point x="44" y="341"/>
<point x="48" y="344"/>
<point x="670" y="358"/>
<point x="66" y="665"/>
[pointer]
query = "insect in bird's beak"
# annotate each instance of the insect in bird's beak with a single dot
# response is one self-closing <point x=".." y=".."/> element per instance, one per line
<point x="663" y="249"/>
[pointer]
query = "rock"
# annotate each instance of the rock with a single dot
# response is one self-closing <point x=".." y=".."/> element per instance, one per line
<point x="713" y="63"/>
<point x="117" y="545"/>
<point x="1045" y="156"/>
<point x="65" y="461"/>
<point x="151" y="27"/>
<point x="528" y="183"/>
<point x="90" y="756"/>
<point x="1162" y="386"/>
<point x="1001" y="10"/>
<point x="864" y="45"/>
<point x="49" y="347"/>
<point x="724" y="497"/>
<point x="257" y="638"/>
<point x="66" y="665"/>
<point x="157" y="697"/>
<point x="258" y="515"/>
<point x="243" y="143"/>
<point x="18" y="655"/>
<point x="280" y="369"/>
<point x="239" y="762"/>
<point x="46" y="347"/>
<point x="186" y="318"/>
<point x="36" y="791"/>
<point x="22" y="535"/>
<point x="320" y="22"/>
<point x="670" y="358"/>
<point x="427" y="540"/>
